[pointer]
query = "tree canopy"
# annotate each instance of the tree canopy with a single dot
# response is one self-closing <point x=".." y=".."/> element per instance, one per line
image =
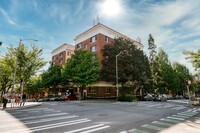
<point x="132" y="63"/>
<point x="52" y="77"/>
<point x="26" y="62"/>
<point x="194" y="58"/>
<point x="152" y="60"/>
<point x="82" y="68"/>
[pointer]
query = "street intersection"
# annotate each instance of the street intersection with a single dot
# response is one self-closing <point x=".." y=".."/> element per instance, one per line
<point x="98" y="116"/>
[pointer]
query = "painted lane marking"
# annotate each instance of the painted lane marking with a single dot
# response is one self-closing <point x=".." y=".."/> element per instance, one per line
<point x="181" y="116"/>
<point x="189" y="115"/>
<point x="162" y="123"/>
<point x="181" y="119"/>
<point x="49" y="126"/>
<point x="170" y="120"/>
<point x="153" y="127"/>
<point x="32" y="109"/>
<point x="37" y="121"/>
<point x="137" y="131"/>
<point x="96" y="129"/>
<point x="82" y="129"/>
<point x="34" y="117"/>
<point x="123" y="132"/>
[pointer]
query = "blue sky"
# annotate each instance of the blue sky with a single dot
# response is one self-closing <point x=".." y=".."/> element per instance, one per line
<point x="174" y="24"/>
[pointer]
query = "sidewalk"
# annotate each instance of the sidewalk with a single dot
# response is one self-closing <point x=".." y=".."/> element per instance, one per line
<point x="27" y="105"/>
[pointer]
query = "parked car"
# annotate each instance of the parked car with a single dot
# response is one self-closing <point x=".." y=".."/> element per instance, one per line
<point x="149" y="97"/>
<point x="57" y="98"/>
<point x="161" y="97"/>
<point x="42" y="99"/>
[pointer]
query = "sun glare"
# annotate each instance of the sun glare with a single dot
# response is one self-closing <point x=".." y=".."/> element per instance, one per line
<point x="110" y="7"/>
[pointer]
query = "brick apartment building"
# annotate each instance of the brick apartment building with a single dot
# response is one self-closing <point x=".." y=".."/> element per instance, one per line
<point x="62" y="53"/>
<point x="93" y="39"/>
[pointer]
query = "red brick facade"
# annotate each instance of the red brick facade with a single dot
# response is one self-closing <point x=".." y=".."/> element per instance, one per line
<point x="62" y="53"/>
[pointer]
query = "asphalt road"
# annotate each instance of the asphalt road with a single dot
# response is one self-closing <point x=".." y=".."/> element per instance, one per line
<point x="99" y="117"/>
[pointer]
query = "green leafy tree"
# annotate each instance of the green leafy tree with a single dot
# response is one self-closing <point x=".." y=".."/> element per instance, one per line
<point x="34" y="86"/>
<point x="133" y="65"/>
<point x="184" y="75"/>
<point x="165" y="71"/>
<point x="153" y="65"/>
<point x="82" y="69"/>
<point x="52" y="78"/>
<point x="194" y="58"/>
<point x="6" y="74"/>
<point x="29" y="62"/>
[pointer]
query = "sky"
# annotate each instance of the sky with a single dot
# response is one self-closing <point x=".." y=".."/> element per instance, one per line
<point x="174" y="24"/>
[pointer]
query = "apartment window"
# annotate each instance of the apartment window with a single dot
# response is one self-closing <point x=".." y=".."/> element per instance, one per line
<point x="93" y="48"/>
<point x="92" y="90"/>
<point x="61" y="54"/>
<point x="107" y="90"/>
<point x="106" y="39"/>
<point x="60" y="61"/>
<point x="79" y="46"/>
<point x="68" y="53"/>
<point x="53" y="57"/>
<point x="85" y="46"/>
<point x="93" y="39"/>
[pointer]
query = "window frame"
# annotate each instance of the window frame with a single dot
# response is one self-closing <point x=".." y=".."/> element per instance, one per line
<point x="78" y="46"/>
<point x="93" y="39"/>
<point x="107" y="39"/>
<point x="92" y="90"/>
<point x="94" y="46"/>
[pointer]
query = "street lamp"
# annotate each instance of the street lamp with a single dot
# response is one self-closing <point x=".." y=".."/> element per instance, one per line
<point x="117" y="71"/>
<point x="18" y="50"/>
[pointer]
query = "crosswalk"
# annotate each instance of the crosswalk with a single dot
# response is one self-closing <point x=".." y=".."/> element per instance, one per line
<point x="162" y="105"/>
<point x="163" y="123"/>
<point x="31" y="120"/>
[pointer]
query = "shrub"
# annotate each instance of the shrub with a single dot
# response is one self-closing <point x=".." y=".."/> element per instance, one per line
<point x="126" y="97"/>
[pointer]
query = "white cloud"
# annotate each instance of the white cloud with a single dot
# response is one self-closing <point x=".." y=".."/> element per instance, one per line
<point x="175" y="26"/>
<point x="7" y="17"/>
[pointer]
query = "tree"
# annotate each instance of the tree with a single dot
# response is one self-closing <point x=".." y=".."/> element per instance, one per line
<point x="28" y="62"/>
<point x="183" y="74"/>
<point x="34" y="86"/>
<point x="52" y="78"/>
<point x="82" y="69"/>
<point x="165" y="71"/>
<point x="133" y="68"/>
<point x="152" y="56"/>
<point x="6" y="74"/>
<point x="194" y="58"/>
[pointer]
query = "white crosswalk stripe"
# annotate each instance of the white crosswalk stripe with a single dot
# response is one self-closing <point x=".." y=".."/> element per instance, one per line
<point x="85" y="128"/>
<point x="162" y="105"/>
<point x="163" y="123"/>
<point x="34" y="122"/>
